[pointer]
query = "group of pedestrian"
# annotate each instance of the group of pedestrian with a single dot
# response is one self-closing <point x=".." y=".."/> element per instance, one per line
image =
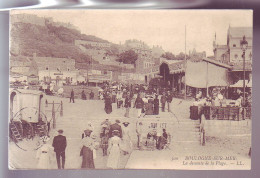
<point x="145" y="105"/>
<point x="115" y="139"/>
<point x="166" y="98"/>
<point x="45" y="152"/>
<point x="83" y="95"/>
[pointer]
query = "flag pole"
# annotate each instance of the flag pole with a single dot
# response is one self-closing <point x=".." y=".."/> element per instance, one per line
<point x="185" y="66"/>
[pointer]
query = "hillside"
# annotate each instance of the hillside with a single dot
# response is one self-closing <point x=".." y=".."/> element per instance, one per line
<point x="49" y="41"/>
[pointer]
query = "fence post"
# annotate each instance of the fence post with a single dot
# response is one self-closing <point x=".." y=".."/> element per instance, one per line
<point x="203" y="138"/>
<point x="61" y="109"/>
<point x="53" y="116"/>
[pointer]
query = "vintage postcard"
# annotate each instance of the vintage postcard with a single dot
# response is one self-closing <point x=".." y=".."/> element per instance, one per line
<point x="130" y="89"/>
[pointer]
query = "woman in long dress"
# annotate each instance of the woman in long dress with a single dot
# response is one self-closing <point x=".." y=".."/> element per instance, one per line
<point x="108" y="103"/>
<point x="114" y="150"/>
<point x="44" y="155"/>
<point x="126" y="140"/>
<point x="87" y="147"/>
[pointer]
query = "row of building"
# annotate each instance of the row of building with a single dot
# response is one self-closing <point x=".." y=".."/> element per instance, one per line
<point x="63" y="71"/>
<point x="226" y="56"/>
<point x="224" y="69"/>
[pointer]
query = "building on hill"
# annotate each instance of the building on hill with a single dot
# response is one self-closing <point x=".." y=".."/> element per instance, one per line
<point x="36" y="20"/>
<point x="58" y="70"/>
<point x="138" y="46"/>
<point x="157" y="51"/>
<point x="28" y="18"/>
<point x="143" y="63"/>
<point x="19" y="64"/>
<point x="23" y="69"/>
<point x="93" y="44"/>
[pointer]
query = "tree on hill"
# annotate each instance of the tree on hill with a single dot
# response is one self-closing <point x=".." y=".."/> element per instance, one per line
<point x="128" y="57"/>
<point x="180" y="56"/>
<point x="169" y="56"/>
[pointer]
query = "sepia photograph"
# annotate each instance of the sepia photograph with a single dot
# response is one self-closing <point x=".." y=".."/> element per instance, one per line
<point x="130" y="89"/>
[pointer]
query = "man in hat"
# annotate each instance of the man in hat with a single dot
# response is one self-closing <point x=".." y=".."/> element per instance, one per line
<point x="59" y="144"/>
<point x="163" y="101"/>
<point x="127" y="104"/>
<point x="91" y="95"/>
<point x="139" y="104"/>
<point x="72" y="96"/>
<point x="156" y="105"/>
<point x="169" y="100"/>
<point x="115" y="126"/>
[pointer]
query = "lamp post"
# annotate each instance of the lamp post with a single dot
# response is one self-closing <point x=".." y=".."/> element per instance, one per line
<point x="244" y="45"/>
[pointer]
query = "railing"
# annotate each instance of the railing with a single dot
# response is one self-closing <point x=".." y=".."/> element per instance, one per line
<point x="54" y="111"/>
<point x="226" y="113"/>
<point x="220" y="113"/>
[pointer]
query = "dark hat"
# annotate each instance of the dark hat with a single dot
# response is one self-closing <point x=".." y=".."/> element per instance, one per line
<point x="60" y="131"/>
<point x="126" y="123"/>
<point x="87" y="132"/>
<point x="117" y="121"/>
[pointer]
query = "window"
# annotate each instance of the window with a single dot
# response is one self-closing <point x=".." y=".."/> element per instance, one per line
<point x="47" y="68"/>
<point x="234" y="45"/>
<point x="236" y="56"/>
<point x="68" y="69"/>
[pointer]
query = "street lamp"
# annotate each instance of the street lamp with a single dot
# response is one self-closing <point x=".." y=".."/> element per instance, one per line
<point x="243" y="46"/>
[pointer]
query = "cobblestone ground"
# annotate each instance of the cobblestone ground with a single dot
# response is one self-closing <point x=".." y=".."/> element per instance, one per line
<point x="77" y="115"/>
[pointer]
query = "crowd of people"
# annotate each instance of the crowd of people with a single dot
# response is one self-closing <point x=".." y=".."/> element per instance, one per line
<point x="145" y="101"/>
<point x="114" y="141"/>
<point x="211" y="105"/>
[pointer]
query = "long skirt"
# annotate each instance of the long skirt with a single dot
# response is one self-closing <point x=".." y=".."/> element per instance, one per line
<point x="156" y="110"/>
<point x="108" y="108"/>
<point x="126" y="145"/>
<point x="113" y="157"/>
<point x="87" y="158"/>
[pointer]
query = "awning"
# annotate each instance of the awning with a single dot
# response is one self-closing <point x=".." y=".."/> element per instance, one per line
<point x="239" y="84"/>
<point x="205" y="74"/>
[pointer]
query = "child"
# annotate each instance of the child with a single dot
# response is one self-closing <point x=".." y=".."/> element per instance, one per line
<point x="104" y="140"/>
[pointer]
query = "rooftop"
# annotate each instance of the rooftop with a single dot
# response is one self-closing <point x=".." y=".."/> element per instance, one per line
<point x="240" y="31"/>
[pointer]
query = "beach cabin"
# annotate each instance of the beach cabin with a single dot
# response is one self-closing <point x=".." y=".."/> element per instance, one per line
<point x="27" y="113"/>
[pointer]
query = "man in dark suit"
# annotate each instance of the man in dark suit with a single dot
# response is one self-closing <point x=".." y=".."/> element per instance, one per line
<point x="115" y="126"/>
<point x="59" y="144"/>
<point x="72" y="96"/>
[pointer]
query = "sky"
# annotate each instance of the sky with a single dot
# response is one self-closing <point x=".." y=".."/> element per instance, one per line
<point x="165" y="28"/>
